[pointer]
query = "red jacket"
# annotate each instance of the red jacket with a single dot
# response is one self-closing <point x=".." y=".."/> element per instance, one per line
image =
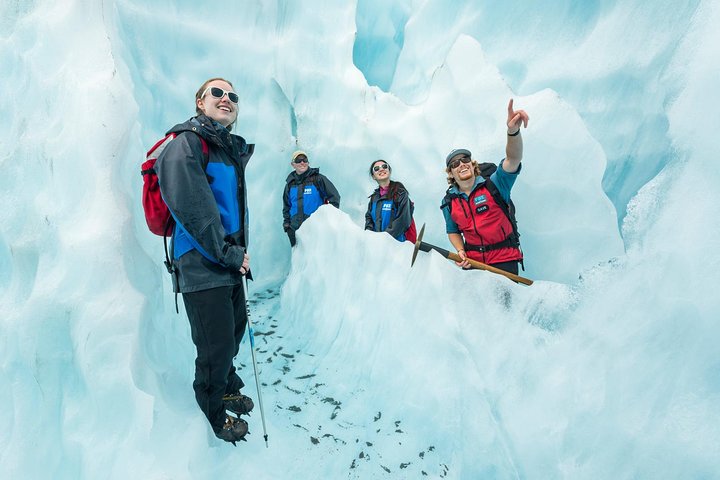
<point x="486" y="228"/>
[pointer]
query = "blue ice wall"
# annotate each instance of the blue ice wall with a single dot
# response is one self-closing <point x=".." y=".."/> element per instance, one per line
<point x="379" y="39"/>
<point x="610" y="61"/>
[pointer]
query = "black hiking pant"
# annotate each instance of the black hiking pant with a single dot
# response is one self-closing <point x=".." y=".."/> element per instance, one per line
<point x="510" y="267"/>
<point x="217" y="324"/>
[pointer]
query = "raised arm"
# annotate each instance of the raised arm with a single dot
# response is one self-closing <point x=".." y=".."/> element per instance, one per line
<point x="514" y="147"/>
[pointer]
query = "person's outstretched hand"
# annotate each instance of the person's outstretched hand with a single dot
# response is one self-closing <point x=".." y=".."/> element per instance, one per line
<point x="515" y="119"/>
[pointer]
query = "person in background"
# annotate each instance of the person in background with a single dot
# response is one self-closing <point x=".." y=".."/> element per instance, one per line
<point x="390" y="208"/>
<point x="201" y="174"/>
<point x="305" y="190"/>
<point x="476" y="209"/>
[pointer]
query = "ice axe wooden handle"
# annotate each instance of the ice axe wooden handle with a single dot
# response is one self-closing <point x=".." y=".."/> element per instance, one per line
<point x="490" y="268"/>
<point x="426" y="247"/>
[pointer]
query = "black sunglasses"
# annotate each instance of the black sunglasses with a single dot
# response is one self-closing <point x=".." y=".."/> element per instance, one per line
<point x="377" y="168"/>
<point x="456" y="163"/>
<point x="300" y="160"/>
<point x="218" y="92"/>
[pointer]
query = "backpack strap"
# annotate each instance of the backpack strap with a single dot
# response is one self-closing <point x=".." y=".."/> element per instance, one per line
<point x="508" y="208"/>
<point x="205" y="151"/>
<point x="447" y="200"/>
<point x="168" y="264"/>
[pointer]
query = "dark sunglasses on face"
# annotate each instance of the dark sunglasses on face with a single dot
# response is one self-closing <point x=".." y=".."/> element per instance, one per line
<point x="218" y="92"/>
<point x="377" y="168"/>
<point x="456" y="163"/>
<point x="301" y="160"/>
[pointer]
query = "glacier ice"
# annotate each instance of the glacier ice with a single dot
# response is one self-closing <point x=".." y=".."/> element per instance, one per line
<point x="605" y="368"/>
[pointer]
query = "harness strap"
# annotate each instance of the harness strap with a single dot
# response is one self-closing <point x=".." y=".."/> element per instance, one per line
<point x="511" y="241"/>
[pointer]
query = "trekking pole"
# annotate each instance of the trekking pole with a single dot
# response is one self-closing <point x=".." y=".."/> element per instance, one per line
<point x="251" y="334"/>
<point x="426" y="247"/>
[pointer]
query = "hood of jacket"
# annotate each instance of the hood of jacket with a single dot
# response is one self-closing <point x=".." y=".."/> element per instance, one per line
<point x="215" y="134"/>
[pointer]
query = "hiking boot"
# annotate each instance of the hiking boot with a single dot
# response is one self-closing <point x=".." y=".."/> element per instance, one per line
<point x="234" y="429"/>
<point x="238" y="403"/>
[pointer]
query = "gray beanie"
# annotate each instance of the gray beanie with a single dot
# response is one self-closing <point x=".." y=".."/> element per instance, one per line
<point x="457" y="151"/>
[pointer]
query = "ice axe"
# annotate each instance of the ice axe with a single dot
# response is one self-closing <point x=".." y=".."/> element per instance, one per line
<point x="426" y="247"/>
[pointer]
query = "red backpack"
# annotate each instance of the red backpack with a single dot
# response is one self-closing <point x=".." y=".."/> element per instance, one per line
<point x="411" y="232"/>
<point x="157" y="215"/>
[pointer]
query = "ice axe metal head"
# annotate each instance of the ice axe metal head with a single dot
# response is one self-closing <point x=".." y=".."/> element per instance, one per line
<point x="421" y="246"/>
<point x="417" y="244"/>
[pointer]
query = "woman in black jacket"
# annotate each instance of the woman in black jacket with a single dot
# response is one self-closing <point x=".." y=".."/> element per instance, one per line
<point x="390" y="208"/>
<point x="201" y="173"/>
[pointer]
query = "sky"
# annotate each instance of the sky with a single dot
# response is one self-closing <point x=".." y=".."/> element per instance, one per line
<point x="606" y="367"/>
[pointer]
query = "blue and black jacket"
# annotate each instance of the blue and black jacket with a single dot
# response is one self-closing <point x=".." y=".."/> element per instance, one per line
<point x="304" y="194"/>
<point x="391" y="213"/>
<point x="207" y="198"/>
